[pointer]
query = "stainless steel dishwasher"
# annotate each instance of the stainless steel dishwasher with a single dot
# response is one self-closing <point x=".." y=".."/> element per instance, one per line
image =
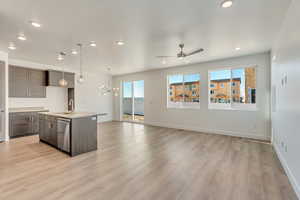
<point x="63" y="134"/>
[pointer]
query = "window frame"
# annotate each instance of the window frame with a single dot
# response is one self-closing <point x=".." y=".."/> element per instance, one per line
<point x="232" y="105"/>
<point x="182" y="104"/>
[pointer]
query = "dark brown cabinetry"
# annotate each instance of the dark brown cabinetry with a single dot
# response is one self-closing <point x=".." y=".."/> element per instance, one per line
<point x="53" y="78"/>
<point x="23" y="124"/>
<point x="71" y="135"/>
<point x="25" y="82"/>
<point x="48" y="129"/>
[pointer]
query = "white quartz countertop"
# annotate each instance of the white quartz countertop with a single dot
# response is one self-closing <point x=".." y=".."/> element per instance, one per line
<point x="72" y="115"/>
<point x="27" y="109"/>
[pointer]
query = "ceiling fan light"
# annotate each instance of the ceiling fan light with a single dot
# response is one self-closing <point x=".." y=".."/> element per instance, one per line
<point x="227" y="4"/>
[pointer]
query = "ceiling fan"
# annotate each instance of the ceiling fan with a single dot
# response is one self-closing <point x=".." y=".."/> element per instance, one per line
<point x="182" y="54"/>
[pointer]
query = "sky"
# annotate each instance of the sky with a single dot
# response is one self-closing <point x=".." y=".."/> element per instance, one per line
<point x="187" y="78"/>
<point x="138" y="87"/>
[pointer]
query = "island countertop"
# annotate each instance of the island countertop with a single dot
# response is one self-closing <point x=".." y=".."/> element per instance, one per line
<point x="72" y="115"/>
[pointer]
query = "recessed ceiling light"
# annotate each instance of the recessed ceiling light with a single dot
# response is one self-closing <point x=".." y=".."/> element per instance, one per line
<point x="35" y="24"/>
<point x="74" y="52"/>
<point x="164" y="62"/>
<point x="22" y="37"/>
<point x="12" y="46"/>
<point x="120" y="42"/>
<point x="93" y="44"/>
<point x="237" y="48"/>
<point x="226" y="4"/>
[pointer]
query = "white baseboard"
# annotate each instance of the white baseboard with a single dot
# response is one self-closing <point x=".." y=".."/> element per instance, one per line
<point x="213" y="131"/>
<point x="287" y="170"/>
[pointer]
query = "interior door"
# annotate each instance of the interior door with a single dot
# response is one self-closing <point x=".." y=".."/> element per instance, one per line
<point x="2" y="100"/>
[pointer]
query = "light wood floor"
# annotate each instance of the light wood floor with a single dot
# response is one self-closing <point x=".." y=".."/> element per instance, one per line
<point x="138" y="162"/>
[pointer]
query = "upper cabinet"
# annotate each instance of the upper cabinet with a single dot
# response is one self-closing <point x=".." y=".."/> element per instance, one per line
<point x="25" y="82"/>
<point x="53" y="78"/>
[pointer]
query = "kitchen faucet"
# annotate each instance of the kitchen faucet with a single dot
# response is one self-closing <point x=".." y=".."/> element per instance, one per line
<point x="71" y="103"/>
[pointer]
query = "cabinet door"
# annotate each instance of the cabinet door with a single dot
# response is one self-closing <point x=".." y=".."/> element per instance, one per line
<point x="50" y="131"/>
<point x="20" y="124"/>
<point x="20" y="85"/>
<point x="42" y="126"/>
<point x="54" y="77"/>
<point x="53" y="134"/>
<point x="35" y="123"/>
<point x="70" y="78"/>
<point x="37" y="83"/>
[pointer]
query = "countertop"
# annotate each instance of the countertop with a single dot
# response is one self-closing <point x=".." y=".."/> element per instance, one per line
<point x="69" y="115"/>
<point x="27" y="109"/>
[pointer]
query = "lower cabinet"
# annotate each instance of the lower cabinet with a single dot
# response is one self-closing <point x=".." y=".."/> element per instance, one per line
<point x="23" y="124"/>
<point x="48" y="129"/>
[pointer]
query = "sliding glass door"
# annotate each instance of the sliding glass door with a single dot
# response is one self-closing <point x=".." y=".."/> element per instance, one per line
<point x="133" y="101"/>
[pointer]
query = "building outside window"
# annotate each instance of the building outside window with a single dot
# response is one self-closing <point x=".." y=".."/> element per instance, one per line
<point x="234" y="88"/>
<point x="184" y="91"/>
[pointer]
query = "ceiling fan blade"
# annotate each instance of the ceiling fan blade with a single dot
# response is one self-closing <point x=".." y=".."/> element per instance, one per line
<point x="194" y="52"/>
<point x="165" y="56"/>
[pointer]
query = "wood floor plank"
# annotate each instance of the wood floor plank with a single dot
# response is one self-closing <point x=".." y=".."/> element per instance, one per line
<point x="140" y="162"/>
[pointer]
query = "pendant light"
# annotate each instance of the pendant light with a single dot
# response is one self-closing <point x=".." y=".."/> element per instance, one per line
<point x="62" y="82"/>
<point x="81" y="79"/>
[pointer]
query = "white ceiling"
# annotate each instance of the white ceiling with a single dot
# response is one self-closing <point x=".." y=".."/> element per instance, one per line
<point x="149" y="28"/>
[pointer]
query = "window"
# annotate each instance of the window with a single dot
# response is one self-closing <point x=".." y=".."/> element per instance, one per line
<point x="212" y="85"/>
<point x="184" y="91"/>
<point x="235" y="88"/>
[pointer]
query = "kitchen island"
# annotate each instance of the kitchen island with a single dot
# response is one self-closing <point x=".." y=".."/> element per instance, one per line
<point x="73" y="133"/>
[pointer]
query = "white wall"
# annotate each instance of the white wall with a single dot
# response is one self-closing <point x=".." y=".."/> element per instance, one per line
<point x="4" y="57"/>
<point x="87" y="94"/>
<point x="253" y="124"/>
<point x="286" y="96"/>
